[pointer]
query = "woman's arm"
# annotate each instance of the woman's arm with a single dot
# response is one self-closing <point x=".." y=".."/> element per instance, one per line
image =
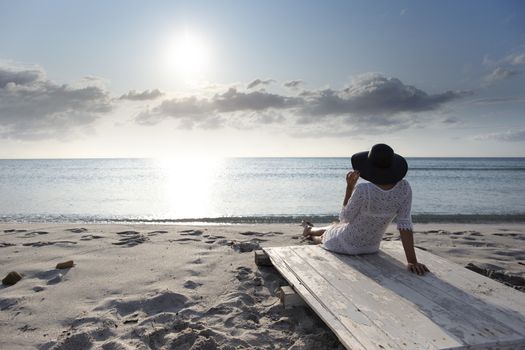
<point x="351" y="180"/>
<point x="407" y="237"/>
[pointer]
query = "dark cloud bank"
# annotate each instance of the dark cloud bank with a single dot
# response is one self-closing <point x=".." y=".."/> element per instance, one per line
<point x="371" y="100"/>
<point x="34" y="107"/>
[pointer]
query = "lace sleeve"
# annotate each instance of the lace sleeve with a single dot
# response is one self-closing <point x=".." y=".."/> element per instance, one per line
<point x="350" y="211"/>
<point x="404" y="216"/>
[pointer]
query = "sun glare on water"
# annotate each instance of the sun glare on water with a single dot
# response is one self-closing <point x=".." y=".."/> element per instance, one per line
<point x="189" y="185"/>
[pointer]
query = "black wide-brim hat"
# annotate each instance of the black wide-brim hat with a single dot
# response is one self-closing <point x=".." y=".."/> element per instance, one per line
<point x="380" y="165"/>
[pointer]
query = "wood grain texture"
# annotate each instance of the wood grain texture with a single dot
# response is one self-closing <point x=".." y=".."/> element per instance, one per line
<point x="372" y="301"/>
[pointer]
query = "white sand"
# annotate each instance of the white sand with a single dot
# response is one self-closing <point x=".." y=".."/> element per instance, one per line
<point x="184" y="287"/>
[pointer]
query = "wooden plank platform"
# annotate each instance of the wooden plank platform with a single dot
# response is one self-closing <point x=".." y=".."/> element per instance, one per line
<point x="373" y="302"/>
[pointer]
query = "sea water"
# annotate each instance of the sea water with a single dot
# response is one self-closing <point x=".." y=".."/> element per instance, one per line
<point x="246" y="189"/>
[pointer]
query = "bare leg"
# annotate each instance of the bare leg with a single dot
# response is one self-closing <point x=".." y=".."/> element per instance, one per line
<point x="312" y="231"/>
<point x="318" y="231"/>
<point x="317" y="239"/>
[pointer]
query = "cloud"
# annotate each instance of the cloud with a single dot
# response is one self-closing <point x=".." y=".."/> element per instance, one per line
<point x="517" y="59"/>
<point x="234" y="100"/>
<point x="374" y="95"/>
<point x="193" y="110"/>
<point x="141" y="96"/>
<point x="496" y="100"/>
<point x="501" y="73"/>
<point x="487" y="61"/>
<point x="371" y="102"/>
<point x="507" y="136"/>
<point x="258" y="82"/>
<point x="34" y="107"/>
<point x="293" y="84"/>
<point x="9" y="75"/>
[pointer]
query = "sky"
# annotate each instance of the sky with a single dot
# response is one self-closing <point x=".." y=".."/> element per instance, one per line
<point x="87" y="79"/>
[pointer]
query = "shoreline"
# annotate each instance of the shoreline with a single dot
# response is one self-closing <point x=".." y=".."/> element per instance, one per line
<point x="187" y="285"/>
<point x="484" y="219"/>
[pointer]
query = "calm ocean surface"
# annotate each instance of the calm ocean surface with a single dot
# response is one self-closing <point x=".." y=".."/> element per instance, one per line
<point x="247" y="189"/>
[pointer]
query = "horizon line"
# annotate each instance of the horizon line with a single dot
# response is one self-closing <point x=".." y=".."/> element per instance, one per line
<point x="259" y="157"/>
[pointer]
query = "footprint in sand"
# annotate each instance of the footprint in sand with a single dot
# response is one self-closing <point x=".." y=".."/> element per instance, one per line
<point x="77" y="230"/>
<point x="395" y="238"/>
<point x="165" y="301"/>
<point x="191" y="284"/>
<point x="7" y="303"/>
<point x="516" y="254"/>
<point x="260" y="234"/>
<point x="513" y="235"/>
<point x="469" y="238"/>
<point x="35" y="233"/>
<point x="458" y="233"/>
<point x="439" y="232"/>
<point x="210" y="239"/>
<point x="42" y="244"/>
<point x="243" y="273"/>
<point x="12" y="230"/>
<point x="479" y="244"/>
<point x="196" y="261"/>
<point x="184" y="240"/>
<point x="5" y="244"/>
<point x="193" y="273"/>
<point x="131" y="239"/>
<point x="128" y="233"/>
<point x="213" y="236"/>
<point x="90" y="237"/>
<point x="475" y="233"/>
<point x="191" y="233"/>
<point x="57" y="279"/>
<point x="155" y="233"/>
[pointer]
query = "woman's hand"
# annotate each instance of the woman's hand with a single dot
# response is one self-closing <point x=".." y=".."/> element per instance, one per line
<point x="418" y="268"/>
<point x="351" y="178"/>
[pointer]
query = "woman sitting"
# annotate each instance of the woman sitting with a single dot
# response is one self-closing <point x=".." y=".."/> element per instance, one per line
<point x="369" y="208"/>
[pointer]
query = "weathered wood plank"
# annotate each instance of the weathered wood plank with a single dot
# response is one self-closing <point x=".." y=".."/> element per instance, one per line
<point x="497" y="345"/>
<point x="348" y="339"/>
<point x="396" y="315"/>
<point x="340" y="303"/>
<point x="483" y="296"/>
<point x="451" y="311"/>
<point x="372" y="302"/>
<point x="476" y="284"/>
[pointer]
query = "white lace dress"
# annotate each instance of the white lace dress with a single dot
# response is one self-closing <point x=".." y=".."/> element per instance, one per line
<point x="365" y="218"/>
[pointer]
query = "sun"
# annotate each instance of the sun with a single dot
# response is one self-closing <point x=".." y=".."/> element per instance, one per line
<point x="187" y="54"/>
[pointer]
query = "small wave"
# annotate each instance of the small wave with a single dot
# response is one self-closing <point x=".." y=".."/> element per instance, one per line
<point x="467" y="169"/>
<point x="263" y="219"/>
